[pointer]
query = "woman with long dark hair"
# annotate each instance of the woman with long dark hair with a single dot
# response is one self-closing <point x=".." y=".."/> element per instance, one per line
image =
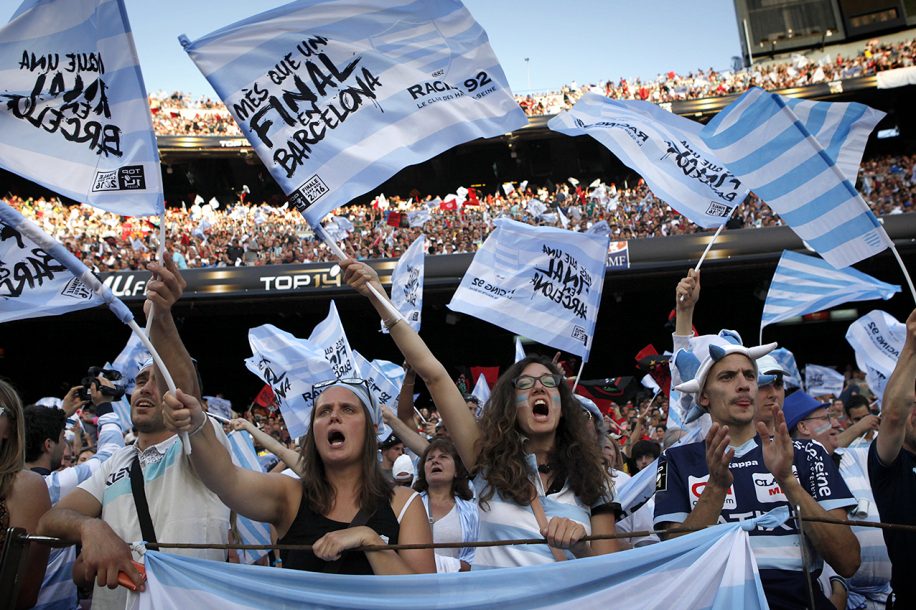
<point x="537" y="465"/>
<point x="24" y="496"/>
<point x="342" y="500"/>
<point x="444" y="486"/>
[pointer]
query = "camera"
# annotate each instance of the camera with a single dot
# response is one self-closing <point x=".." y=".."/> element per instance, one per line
<point x="91" y="379"/>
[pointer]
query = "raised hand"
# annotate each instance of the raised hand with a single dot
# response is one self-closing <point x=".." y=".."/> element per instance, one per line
<point x="718" y="456"/>
<point x="687" y="292"/>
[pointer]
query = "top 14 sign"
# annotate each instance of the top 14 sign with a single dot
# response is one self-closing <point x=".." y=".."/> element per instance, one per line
<point x="337" y="97"/>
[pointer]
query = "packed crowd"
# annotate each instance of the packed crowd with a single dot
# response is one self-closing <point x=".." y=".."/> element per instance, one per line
<point x="240" y="234"/>
<point x="179" y="114"/>
<point x="462" y="469"/>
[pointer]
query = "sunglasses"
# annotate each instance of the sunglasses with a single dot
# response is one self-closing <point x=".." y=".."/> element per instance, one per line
<point x="548" y="380"/>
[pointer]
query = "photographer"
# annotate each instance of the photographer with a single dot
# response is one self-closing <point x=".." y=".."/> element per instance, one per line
<point x="44" y="432"/>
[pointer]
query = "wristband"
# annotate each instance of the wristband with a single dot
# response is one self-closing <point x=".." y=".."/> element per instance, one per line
<point x="389" y="324"/>
<point x="200" y="427"/>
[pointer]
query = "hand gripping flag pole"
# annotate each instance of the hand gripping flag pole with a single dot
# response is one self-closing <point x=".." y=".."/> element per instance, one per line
<point x="55" y="249"/>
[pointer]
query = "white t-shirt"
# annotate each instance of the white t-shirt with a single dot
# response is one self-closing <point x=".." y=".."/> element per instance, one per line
<point x="180" y="505"/>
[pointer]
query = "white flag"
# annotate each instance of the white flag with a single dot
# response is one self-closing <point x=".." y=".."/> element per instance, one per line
<point x="877" y="339"/>
<point x="823" y="380"/>
<point x="407" y="284"/>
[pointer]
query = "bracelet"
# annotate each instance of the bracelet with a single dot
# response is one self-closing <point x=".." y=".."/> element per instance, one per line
<point x="198" y="428"/>
<point x="389" y="324"/>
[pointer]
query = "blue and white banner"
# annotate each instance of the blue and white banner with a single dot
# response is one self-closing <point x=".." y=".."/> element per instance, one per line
<point x="384" y="391"/>
<point x="329" y="339"/>
<point x="713" y="569"/>
<point x="665" y="149"/>
<point x="32" y="282"/>
<point x="802" y="159"/>
<point x="418" y="218"/>
<point x="877" y="339"/>
<point x="250" y="532"/>
<point x="823" y="380"/>
<point x="394" y="372"/>
<point x="219" y="406"/>
<point x="786" y="360"/>
<point x="74" y="116"/>
<point x="804" y="284"/>
<point x="337" y="97"/>
<point x="290" y="366"/>
<point x="407" y="284"/>
<point x="543" y="283"/>
<point x="481" y="390"/>
<point x="128" y="362"/>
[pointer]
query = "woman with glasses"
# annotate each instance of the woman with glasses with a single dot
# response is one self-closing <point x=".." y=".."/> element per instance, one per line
<point x="537" y="466"/>
<point x="342" y="500"/>
<point x="23" y="495"/>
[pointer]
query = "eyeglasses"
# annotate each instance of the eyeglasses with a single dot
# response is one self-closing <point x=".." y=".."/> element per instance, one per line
<point x="548" y="380"/>
<point x="8" y="412"/>
<point x="827" y="417"/>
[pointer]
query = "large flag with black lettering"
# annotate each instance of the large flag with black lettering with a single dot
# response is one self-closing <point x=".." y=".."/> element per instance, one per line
<point x="250" y="531"/>
<point x="712" y="569"/>
<point x="543" y="283"/>
<point x="804" y="284"/>
<point x="802" y="160"/>
<point x="74" y="116"/>
<point x="407" y="284"/>
<point x="32" y="282"/>
<point x="290" y="366"/>
<point x="329" y="339"/>
<point x="877" y="339"/>
<point x="666" y="150"/>
<point x="336" y="97"/>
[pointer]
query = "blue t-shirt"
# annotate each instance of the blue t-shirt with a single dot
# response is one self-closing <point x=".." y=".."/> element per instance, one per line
<point x="682" y="476"/>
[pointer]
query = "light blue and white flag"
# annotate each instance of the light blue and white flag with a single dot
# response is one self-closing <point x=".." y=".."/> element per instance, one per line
<point x="665" y="149"/>
<point x="823" y="380"/>
<point x="394" y="372"/>
<point x="337" y="97"/>
<point x="540" y="282"/>
<point x="519" y="350"/>
<point x="128" y="362"/>
<point x="384" y="392"/>
<point x="713" y="568"/>
<point x="877" y="339"/>
<point x="74" y="116"/>
<point x="600" y="228"/>
<point x="250" y="532"/>
<point x="418" y="218"/>
<point x="536" y="207"/>
<point x="219" y="406"/>
<point x="407" y="284"/>
<point x="329" y="339"/>
<point x="802" y="159"/>
<point x="33" y="283"/>
<point x="481" y="391"/>
<point x="804" y="284"/>
<point x="290" y="366"/>
<point x="786" y="360"/>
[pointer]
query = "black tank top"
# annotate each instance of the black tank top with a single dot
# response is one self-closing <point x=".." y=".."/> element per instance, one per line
<point x="309" y="526"/>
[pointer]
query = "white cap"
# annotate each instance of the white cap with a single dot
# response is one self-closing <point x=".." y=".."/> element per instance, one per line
<point x="402" y="466"/>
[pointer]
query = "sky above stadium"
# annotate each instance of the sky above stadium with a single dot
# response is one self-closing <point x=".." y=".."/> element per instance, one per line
<point x="586" y="41"/>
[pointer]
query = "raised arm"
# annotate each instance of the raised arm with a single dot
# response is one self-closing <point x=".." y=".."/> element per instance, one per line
<point x="163" y="291"/>
<point x="405" y="433"/>
<point x="461" y="424"/>
<point x="897" y="405"/>
<point x="686" y="296"/>
<point x="272" y="498"/>
<point x="286" y="455"/>
<point x="405" y="397"/>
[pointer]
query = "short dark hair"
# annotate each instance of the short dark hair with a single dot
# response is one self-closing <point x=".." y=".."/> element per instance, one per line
<point x="41" y="423"/>
<point x="643" y="448"/>
<point x="855" y="401"/>
<point x="461" y="485"/>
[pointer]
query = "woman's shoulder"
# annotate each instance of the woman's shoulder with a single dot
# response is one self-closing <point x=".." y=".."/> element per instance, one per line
<point x="402" y="497"/>
<point x="27" y="485"/>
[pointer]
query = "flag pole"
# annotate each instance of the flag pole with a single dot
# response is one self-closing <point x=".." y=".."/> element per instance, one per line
<point x="578" y="375"/>
<point x="709" y="246"/>
<point x="335" y="249"/>
<point x="160" y="256"/>
<point x="906" y="274"/>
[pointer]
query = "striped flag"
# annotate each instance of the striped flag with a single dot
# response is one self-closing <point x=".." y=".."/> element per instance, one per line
<point x="38" y="274"/>
<point x="877" y="339"/>
<point x="329" y="339"/>
<point x="665" y="149"/>
<point x="290" y="366"/>
<point x="74" y="115"/>
<point x="802" y="160"/>
<point x="823" y="380"/>
<point x="337" y="97"/>
<point x="540" y="282"/>
<point x="786" y="360"/>
<point x="250" y="532"/>
<point x="805" y="284"/>
<point x="713" y="568"/>
<point x="407" y="284"/>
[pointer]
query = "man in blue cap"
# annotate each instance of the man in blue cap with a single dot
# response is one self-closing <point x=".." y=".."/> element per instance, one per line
<point x="809" y="419"/>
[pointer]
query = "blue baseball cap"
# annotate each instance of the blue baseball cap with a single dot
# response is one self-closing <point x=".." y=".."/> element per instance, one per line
<point x="798" y="406"/>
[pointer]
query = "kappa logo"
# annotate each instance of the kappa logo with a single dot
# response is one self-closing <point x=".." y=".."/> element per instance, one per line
<point x="698" y="484"/>
<point x="76" y="289"/>
<point x="422" y="44"/>
<point x="127" y="178"/>
<point x="766" y="488"/>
